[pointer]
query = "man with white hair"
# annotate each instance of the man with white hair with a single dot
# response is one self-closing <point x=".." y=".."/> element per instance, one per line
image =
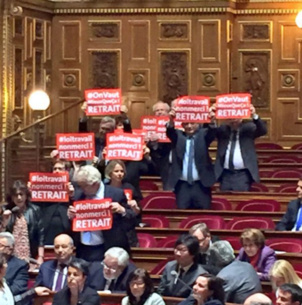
<point x="91" y="245"/>
<point x="240" y="278"/>
<point x="112" y="273"/>
<point x="17" y="269"/>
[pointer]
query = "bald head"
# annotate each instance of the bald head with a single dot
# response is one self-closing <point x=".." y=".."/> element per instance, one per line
<point x="63" y="247"/>
<point x="258" y="298"/>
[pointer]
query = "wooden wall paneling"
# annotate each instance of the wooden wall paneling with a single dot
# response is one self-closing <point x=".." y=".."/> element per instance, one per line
<point x="47" y="41"/>
<point x="18" y="81"/>
<point x="138" y="106"/>
<point x="28" y="38"/>
<point x="289" y="81"/>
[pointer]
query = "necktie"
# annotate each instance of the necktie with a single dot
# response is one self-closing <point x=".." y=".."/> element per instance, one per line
<point x="190" y="161"/>
<point x="60" y="278"/>
<point x="179" y="284"/>
<point x="233" y="143"/>
<point x="299" y="221"/>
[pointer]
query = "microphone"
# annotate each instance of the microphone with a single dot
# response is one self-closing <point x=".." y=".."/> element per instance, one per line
<point x="176" y="274"/>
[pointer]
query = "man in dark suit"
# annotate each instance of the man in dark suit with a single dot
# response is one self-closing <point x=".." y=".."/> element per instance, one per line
<point x="112" y="274"/>
<point x="53" y="273"/>
<point x="17" y="270"/>
<point x="240" y="278"/>
<point x="179" y="275"/>
<point x="91" y="245"/>
<point x="292" y="219"/>
<point x="236" y="165"/>
<point x="192" y="171"/>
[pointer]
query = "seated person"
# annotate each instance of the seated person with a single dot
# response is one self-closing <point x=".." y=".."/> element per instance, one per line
<point x="6" y="296"/>
<point x="290" y="294"/>
<point x="76" y="292"/>
<point x="255" y="252"/>
<point x="112" y="274"/>
<point x="258" y="298"/>
<point x="292" y="219"/>
<point x="208" y="289"/>
<point x="17" y="269"/>
<point x="180" y="274"/>
<point x="140" y="290"/>
<point x="283" y="272"/>
<point x="240" y="278"/>
<point x="203" y="234"/>
<point x="53" y="273"/>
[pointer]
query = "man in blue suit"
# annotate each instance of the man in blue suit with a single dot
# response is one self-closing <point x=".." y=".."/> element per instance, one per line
<point x="53" y="273"/>
<point x="17" y="269"/>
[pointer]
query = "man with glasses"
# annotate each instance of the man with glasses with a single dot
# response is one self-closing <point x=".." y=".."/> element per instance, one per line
<point x="180" y="274"/>
<point x="112" y="273"/>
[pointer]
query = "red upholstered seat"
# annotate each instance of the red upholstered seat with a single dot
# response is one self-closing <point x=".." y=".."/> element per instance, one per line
<point x="287" y="188"/>
<point x="297" y="146"/>
<point x="284" y="159"/>
<point x="240" y="223"/>
<point x="168" y="242"/>
<point x="221" y="204"/>
<point x="259" y="187"/>
<point x="268" y="146"/>
<point x="156" y="221"/>
<point x="289" y="173"/>
<point x="160" y="200"/>
<point x="212" y="221"/>
<point x="267" y="205"/>
<point x="234" y="241"/>
<point x="285" y="244"/>
<point x="159" y="268"/>
<point x="266" y="173"/>
<point x="148" y="185"/>
<point x="146" y="240"/>
<point x="298" y="269"/>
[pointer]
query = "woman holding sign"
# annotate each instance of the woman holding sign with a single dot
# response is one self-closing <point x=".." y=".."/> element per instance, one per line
<point x="23" y="219"/>
<point x="115" y="172"/>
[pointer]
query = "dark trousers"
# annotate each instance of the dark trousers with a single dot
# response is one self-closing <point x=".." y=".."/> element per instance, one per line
<point x="90" y="253"/>
<point x="192" y="196"/>
<point x="236" y="180"/>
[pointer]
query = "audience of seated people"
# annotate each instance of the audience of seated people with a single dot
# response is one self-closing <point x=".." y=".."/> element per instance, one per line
<point x="112" y="273"/>
<point x="255" y="252"/>
<point x="140" y="290"/>
<point x="180" y="274"/>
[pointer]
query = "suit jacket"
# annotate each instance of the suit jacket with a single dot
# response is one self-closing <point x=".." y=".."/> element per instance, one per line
<point x="202" y="139"/>
<point x="266" y="260"/>
<point x="192" y="301"/>
<point x="17" y="275"/>
<point x="240" y="281"/>
<point x="87" y="297"/>
<point x="116" y="236"/>
<point x="248" y="131"/>
<point x="97" y="281"/>
<point x="289" y="218"/>
<point x="46" y="274"/>
<point x="168" y="288"/>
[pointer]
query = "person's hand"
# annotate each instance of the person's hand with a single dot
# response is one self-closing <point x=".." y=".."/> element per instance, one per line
<point x="40" y="291"/>
<point x="54" y="154"/>
<point x="153" y="137"/>
<point x="146" y="151"/>
<point x="134" y="206"/>
<point x="29" y="186"/>
<point x="5" y="218"/>
<point x="84" y="107"/>
<point x="95" y="160"/>
<point x="70" y="189"/>
<point x="212" y="112"/>
<point x="253" y="110"/>
<point x="71" y="212"/>
<point x="117" y="208"/>
<point x="172" y="114"/>
<point x="124" y="109"/>
<point x="40" y="260"/>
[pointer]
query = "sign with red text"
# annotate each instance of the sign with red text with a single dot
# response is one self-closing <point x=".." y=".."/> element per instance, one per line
<point x="139" y="132"/>
<point x="92" y="215"/>
<point x="103" y="101"/>
<point x="50" y="187"/>
<point x="124" y="146"/>
<point x="233" y="106"/>
<point x="75" y="146"/>
<point x="128" y="194"/>
<point x="155" y="125"/>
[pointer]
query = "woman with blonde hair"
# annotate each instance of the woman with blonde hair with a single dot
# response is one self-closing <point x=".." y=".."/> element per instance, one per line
<point x="283" y="272"/>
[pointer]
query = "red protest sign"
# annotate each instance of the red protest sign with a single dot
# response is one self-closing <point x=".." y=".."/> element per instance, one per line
<point x="233" y="106"/>
<point x="192" y="109"/>
<point x="103" y="101"/>
<point x="92" y="215"/>
<point x="155" y="125"/>
<point x="75" y="146"/>
<point x="124" y="146"/>
<point x="139" y="132"/>
<point x="49" y="187"/>
<point x="128" y="194"/>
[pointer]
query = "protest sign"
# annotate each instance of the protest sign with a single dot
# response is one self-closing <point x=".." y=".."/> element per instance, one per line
<point x="155" y="125"/>
<point x="49" y="187"/>
<point x="103" y="101"/>
<point x="128" y="194"/>
<point x="233" y="106"/>
<point x="75" y="146"/>
<point x="124" y="146"/>
<point x="194" y="109"/>
<point x="92" y="215"/>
